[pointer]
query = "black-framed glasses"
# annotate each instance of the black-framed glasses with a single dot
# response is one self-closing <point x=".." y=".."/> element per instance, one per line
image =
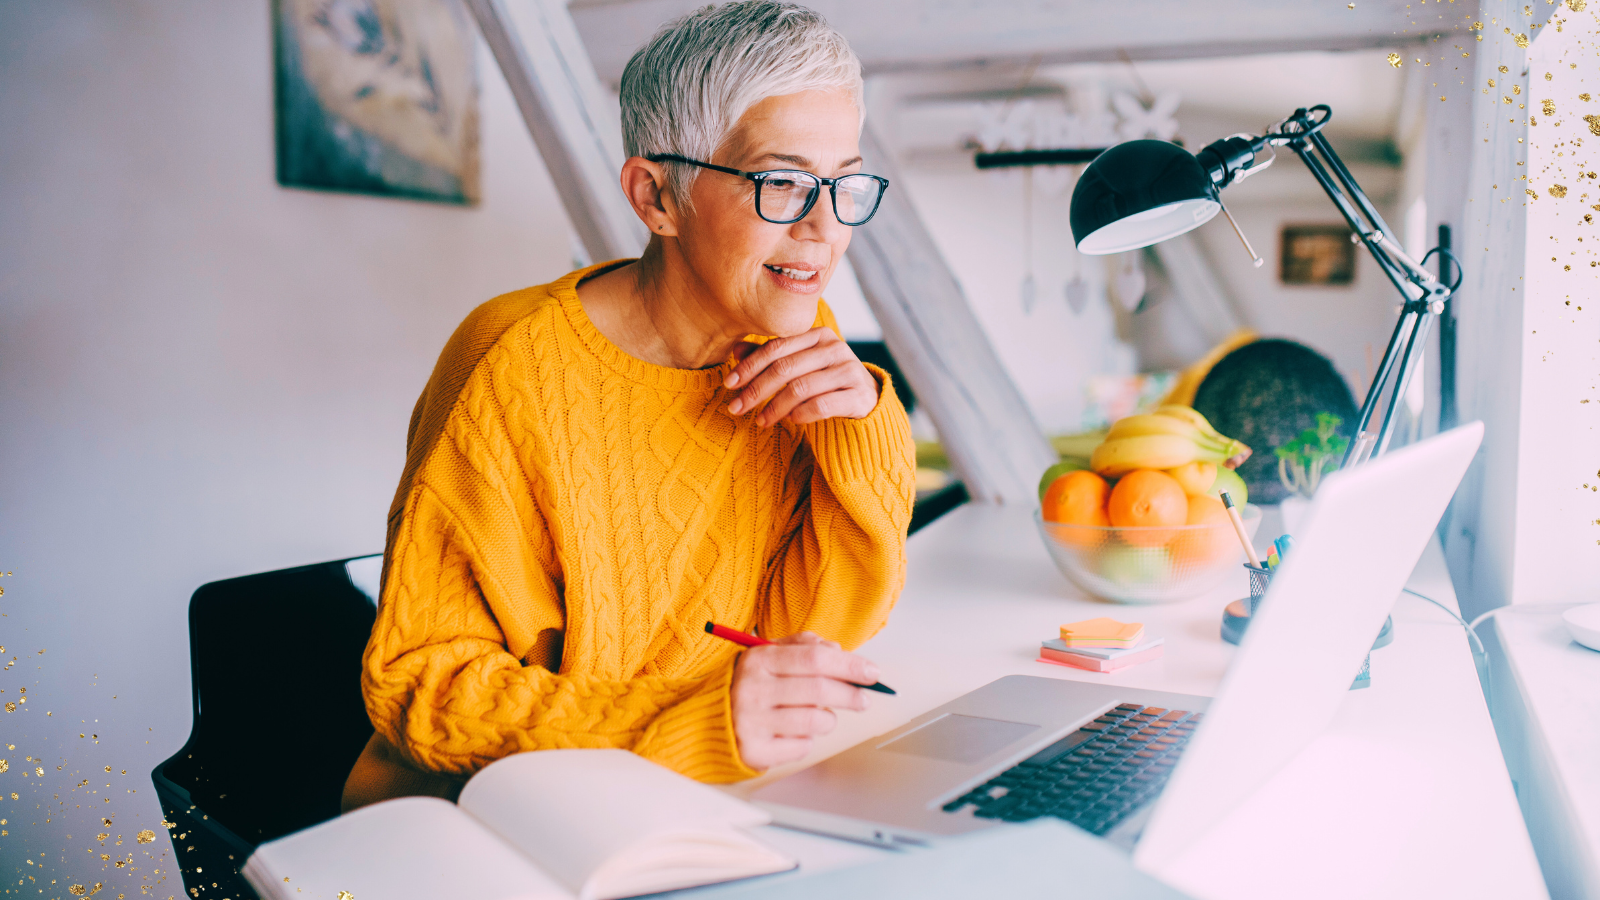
<point x="785" y="196"/>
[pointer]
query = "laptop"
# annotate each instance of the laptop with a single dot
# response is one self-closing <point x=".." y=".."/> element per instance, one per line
<point x="1153" y="771"/>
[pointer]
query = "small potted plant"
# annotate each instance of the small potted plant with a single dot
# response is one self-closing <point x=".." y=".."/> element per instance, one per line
<point x="1303" y="460"/>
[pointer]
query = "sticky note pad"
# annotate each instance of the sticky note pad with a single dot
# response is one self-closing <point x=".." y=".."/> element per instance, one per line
<point x="1102" y="632"/>
<point x="1095" y="664"/>
<point x="1101" y="652"/>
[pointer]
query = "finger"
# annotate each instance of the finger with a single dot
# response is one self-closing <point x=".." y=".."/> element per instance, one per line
<point x="807" y="637"/>
<point x="806" y="690"/>
<point x="817" y="660"/>
<point x="743" y="350"/>
<point x="763" y="355"/>
<point x="834" y="405"/>
<point x="775" y="751"/>
<point x="803" y="721"/>
<point x="782" y="370"/>
<point x="820" y="385"/>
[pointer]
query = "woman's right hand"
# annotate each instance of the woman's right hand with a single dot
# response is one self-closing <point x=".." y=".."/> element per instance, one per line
<point x="784" y="695"/>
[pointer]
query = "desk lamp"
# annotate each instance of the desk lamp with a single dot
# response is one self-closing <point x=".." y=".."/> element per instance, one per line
<point x="1143" y="192"/>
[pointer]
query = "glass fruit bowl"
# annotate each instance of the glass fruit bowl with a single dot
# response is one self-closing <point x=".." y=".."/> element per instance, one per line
<point x="1152" y="564"/>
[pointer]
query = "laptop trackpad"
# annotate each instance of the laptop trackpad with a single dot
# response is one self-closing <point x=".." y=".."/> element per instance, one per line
<point x="961" y="739"/>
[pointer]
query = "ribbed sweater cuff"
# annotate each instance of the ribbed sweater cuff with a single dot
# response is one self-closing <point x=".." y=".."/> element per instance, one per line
<point x="863" y="449"/>
<point x="695" y="737"/>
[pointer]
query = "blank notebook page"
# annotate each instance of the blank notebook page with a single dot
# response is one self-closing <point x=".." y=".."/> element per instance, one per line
<point x="413" y="848"/>
<point x="574" y="810"/>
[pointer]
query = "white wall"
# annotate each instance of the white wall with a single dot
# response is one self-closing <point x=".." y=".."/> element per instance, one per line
<point x="1480" y="531"/>
<point x="977" y="220"/>
<point x="202" y="374"/>
<point x="1558" y="479"/>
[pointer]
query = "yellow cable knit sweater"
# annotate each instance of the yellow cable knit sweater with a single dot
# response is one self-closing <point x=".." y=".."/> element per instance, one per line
<point x="568" y="520"/>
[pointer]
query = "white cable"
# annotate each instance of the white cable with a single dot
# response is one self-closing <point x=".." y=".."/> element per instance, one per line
<point x="1479" y="620"/>
<point x="1470" y="627"/>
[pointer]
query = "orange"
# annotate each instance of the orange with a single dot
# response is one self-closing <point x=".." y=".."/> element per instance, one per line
<point x="1076" y="498"/>
<point x="1205" y="545"/>
<point x="1147" y="499"/>
<point x="1195" y="478"/>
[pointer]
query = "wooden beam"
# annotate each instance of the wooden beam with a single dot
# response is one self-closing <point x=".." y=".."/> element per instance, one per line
<point x="986" y="427"/>
<point x="568" y="113"/>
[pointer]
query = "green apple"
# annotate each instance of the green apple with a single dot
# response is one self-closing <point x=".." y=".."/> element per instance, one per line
<point x="1229" y="480"/>
<point x="1058" y="470"/>
<point x="1134" y="565"/>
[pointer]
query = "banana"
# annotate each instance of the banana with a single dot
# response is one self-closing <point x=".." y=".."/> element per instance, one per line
<point x="1235" y="452"/>
<point x="1141" y="426"/>
<point x="1118" y="456"/>
<point x="1190" y="415"/>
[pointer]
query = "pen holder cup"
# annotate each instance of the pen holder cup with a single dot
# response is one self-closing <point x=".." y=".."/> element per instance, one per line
<point x="1260" y="578"/>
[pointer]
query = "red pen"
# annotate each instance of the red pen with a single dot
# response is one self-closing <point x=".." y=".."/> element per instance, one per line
<point x="750" y="640"/>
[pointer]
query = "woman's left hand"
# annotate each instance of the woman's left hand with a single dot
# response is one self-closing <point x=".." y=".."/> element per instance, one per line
<point x="809" y="377"/>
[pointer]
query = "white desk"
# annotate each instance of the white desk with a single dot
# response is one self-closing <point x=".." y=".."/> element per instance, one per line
<point x="1547" y="702"/>
<point x="1405" y="796"/>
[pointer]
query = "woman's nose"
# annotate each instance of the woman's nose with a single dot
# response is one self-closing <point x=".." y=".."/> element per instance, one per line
<point x="821" y="224"/>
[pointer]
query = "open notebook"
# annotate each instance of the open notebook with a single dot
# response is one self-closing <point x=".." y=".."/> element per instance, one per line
<point x="585" y="824"/>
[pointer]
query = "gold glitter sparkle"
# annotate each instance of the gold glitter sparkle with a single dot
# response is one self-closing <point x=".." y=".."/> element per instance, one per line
<point x="145" y="836"/>
<point x="77" y="890"/>
<point x="1594" y="124"/>
<point x="1531" y="193"/>
<point x="1584" y="97"/>
<point x="1577" y="5"/>
<point x="1548" y="106"/>
<point x="346" y="895"/>
<point x="1558" y="191"/>
<point x="1394" y="60"/>
<point x="1521" y="39"/>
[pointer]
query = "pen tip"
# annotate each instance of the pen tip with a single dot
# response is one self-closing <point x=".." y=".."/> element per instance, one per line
<point x="1226" y="500"/>
<point x="711" y="627"/>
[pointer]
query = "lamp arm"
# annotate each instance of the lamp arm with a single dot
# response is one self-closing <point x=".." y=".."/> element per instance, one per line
<point x="1423" y="295"/>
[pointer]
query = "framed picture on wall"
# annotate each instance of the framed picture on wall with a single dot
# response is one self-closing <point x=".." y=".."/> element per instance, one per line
<point x="1317" y="255"/>
<point x="377" y="97"/>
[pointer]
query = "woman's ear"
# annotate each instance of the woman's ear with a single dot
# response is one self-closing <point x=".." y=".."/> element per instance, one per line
<point x="645" y="185"/>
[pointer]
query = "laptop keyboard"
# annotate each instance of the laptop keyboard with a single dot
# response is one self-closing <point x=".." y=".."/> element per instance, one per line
<point x="1094" y="777"/>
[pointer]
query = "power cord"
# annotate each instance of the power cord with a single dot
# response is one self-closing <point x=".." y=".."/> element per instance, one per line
<point x="1471" y="627"/>
<point x="1480" y="656"/>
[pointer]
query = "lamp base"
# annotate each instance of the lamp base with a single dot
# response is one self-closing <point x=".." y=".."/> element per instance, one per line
<point x="1236" y="618"/>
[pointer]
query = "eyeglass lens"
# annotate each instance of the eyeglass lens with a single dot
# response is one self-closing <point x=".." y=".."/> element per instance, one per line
<point x="786" y="197"/>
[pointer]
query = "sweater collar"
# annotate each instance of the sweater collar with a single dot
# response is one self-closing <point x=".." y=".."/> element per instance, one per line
<point x="565" y="290"/>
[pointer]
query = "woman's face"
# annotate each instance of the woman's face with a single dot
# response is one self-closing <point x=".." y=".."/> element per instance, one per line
<point x="769" y="277"/>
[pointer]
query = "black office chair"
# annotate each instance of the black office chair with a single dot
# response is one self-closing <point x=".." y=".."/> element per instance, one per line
<point x="275" y="664"/>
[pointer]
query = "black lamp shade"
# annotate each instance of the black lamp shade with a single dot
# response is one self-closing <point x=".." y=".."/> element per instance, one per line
<point x="1140" y="193"/>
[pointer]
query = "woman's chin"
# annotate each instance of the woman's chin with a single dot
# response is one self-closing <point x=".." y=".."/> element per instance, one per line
<point x="787" y="315"/>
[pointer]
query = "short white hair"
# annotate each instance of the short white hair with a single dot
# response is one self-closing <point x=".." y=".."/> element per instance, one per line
<point x="685" y="90"/>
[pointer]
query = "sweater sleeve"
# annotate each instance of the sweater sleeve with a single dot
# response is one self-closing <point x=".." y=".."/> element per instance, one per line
<point x="841" y="562"/>
<point x="461" y="666"/>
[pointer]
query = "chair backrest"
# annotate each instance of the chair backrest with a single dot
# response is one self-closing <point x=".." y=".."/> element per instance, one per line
<point x="275" y="662"/>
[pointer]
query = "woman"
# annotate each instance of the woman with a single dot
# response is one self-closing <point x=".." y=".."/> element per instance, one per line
<point x="601" y="465"/>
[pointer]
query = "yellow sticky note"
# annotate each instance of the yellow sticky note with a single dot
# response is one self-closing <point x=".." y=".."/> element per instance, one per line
<point x="1102" y="629"/>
